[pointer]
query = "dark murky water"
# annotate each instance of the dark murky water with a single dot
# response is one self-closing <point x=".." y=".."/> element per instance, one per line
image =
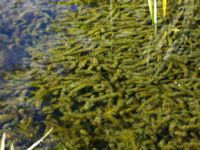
<point x="23" y="24"/>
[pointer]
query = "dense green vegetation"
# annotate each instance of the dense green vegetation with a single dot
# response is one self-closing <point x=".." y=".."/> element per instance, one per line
<point x="111" y="84"/>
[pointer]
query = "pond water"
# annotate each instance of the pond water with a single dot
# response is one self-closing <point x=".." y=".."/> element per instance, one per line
<point x="102" y="74"/>
<point x="23" y="25"/>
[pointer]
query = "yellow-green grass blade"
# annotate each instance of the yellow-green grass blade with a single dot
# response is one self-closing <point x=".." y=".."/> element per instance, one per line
<point x="155" y="16"/>
<point x="155" y="12"/>
<point x="3" y="139"/>
<point x="164" y="5"/>
<point x="12" y="146"/>
<point x="150" y="3"/>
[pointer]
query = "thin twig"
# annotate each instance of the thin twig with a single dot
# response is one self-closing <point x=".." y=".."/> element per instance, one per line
<point x="3" y="141"/>
<point x="40" y="140"/>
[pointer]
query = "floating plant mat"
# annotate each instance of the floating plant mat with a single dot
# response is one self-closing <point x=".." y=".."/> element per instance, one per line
<point x="112" y="84"/>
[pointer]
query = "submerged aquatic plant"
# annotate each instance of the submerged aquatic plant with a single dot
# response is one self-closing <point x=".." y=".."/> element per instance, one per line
<point x="98" y="97"/>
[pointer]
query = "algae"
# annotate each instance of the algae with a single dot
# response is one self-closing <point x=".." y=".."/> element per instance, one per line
<point x="118" y="87"/>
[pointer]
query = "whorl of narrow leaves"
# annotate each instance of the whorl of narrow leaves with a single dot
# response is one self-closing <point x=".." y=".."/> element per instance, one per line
<point x="96" y="90"/>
